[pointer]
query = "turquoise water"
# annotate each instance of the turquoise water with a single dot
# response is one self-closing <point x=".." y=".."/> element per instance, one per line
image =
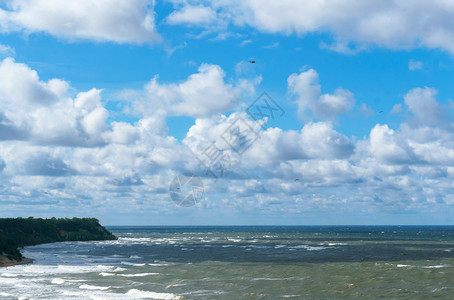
<point x="241" y="263"/>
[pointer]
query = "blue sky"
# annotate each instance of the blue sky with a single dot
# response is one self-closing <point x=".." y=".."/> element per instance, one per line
<point x="102" y="105"/>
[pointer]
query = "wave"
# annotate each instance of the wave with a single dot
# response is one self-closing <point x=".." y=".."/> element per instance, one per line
<point x="94" y="287"/>
<point x="57" y="281"/>
<point x="153" y="295"/>
<point x="138" y="274"/>
<point x="105" y="274"/>
<point x="309" y="248"/>
<point x="436" y="266"/>
<point x="127" y="263"/>
<point x="10" y="275"/>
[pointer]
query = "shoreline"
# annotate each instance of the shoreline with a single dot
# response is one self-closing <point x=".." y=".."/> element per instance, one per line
<point x="5" y="262"/>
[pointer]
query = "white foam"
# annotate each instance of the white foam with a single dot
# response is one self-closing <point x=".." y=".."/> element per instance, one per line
<point x="138" y="274"/>
<point x="57" y="281"/>
<point x="127" y="263"/>
<point x="309" y="248"/>
<point x="107" y="274"/>
<point x="153" y="295"/>
<point x="436" y="267"/>
<point x="3" y="294"/>
<point x="61" y="269"/>
<point x="94" y="287"/>
<point x="402" y="266"/>
<point x="175" y="285"/>
<point x="235" y="240"/>
<point x="10" y="275"/>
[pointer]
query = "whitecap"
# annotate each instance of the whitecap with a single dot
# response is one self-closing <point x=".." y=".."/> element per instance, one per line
<point x="94" y="287"/>
<point x="309" y="248"/>
<point x="10" y="275"/>
<point x="235" y="240"/>
<point x="138" y="274"/>
<point x="57" y="281"/>
<point x="435" y="267"/>
<point x="153" y="295"/>
<point x="132" y="264"/>
<point x="3" y="294"/>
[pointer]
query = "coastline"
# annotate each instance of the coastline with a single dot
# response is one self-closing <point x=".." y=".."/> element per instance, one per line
<point x="18" y="233"/>
<point x="5" y="262"/>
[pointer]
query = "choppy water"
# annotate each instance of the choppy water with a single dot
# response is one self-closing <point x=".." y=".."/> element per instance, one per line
<point x="241" y="263"/>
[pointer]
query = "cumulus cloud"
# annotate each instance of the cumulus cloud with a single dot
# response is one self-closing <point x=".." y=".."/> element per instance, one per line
<point x="43" y="112"/>
<point x="104" y="21"/>
<point x="6" y="50"/>
<point x="201" y="94"/>
<point x="199" y="15"/>
<point x="305" y="86"/>
<point x="425" y="108"/>
<point x="392" y="24"/>
<point x="388" y="147"/>
<point x="59" y="147"/>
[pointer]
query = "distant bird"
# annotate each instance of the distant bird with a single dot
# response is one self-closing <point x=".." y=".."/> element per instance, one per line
<point x="46" y="193"/>
<point x="252" y="61"/>
<point x="296" y="179"/>
<point x="380" y="111"/>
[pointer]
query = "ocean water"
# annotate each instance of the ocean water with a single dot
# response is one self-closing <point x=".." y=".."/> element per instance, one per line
<point x="241" y="263"/>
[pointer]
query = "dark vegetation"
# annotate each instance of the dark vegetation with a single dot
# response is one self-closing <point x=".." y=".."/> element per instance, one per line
<point x="18" y="233"/>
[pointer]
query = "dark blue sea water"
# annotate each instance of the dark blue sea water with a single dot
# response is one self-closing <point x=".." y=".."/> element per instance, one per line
<point x="309" y="262"/>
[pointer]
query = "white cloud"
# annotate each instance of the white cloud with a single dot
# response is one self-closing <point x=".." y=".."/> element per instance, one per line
<point x="365" y="110"/>
<point x="425" y="108"/>
<point x="43" y="112"/>
<point x="6" y="50"/>
<point x="60" y="149"/>
<point x="387" y="147"/>
<point x="201" y="94"/>
<point x="103" y="20"/>
<point x="200" y="15"/>
<point x="392" y="24"/>
<point x="397" y="108"/>
<point x="307" y="89"/>
<point x="415" y="65"/>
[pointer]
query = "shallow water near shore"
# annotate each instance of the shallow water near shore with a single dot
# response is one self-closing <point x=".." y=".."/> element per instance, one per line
<point x="241" y="263"/>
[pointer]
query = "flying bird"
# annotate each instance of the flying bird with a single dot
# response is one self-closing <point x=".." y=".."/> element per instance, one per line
<point x="252" y="61"/>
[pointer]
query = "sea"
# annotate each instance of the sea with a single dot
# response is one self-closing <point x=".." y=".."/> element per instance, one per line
<point x="242" y="262"/>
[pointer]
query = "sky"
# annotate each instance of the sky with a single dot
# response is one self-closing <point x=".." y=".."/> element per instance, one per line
<point x="289" y="112"/>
